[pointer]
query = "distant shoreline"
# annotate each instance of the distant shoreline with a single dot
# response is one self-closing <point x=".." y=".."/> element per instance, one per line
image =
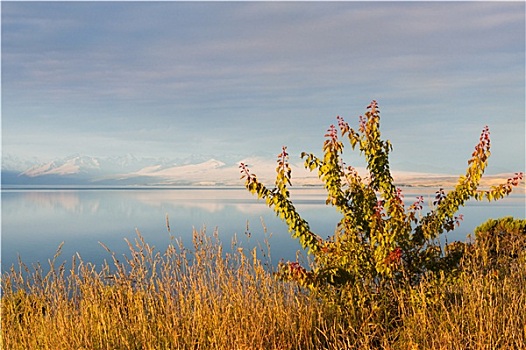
<point x="424" y="184"/>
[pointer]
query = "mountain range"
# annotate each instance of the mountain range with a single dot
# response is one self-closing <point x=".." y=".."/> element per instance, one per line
<point x="129" y="170"/>
<point x="132" y="171"/>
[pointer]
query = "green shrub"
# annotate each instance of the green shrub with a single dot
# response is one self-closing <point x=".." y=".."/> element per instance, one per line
<point x="378" y="241"/>
<point x="500" y="244"/>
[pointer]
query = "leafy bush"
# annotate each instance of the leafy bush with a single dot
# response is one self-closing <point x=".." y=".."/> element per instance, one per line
<point x="500" y="244"/>
<point x="378" y="240"/>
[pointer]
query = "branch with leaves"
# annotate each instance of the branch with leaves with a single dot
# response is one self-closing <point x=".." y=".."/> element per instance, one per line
<point x="377" y="238"/>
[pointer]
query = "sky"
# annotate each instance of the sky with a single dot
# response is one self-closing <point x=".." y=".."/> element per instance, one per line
<point x="230" y="80"/>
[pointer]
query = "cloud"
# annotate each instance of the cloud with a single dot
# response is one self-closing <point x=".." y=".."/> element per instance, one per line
<point x="220" y="77"/>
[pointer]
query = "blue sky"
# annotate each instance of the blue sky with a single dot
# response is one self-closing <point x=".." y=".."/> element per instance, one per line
<point x="236" y="79"/>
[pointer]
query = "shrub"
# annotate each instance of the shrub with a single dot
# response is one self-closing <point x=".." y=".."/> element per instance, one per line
<point x="378" y="240"/>
<point x="500" y="244"/>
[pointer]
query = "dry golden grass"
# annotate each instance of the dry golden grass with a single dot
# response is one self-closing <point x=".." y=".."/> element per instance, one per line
<point x="205" y="298"/>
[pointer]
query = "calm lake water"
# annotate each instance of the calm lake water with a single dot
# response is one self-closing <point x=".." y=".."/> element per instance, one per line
<point x="35" y="222"/>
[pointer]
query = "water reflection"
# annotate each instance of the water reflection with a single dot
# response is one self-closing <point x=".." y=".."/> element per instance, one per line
<point x="35" y="222"/>
<point x="58" y="200"/>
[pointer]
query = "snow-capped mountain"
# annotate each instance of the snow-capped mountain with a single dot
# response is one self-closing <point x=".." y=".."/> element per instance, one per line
<point x="129" y="170"/>
<point x="16" y="164"/>
<point x="73" y="165"/>
<point x="210" y="172"/>
<point x="179" y="170"/>
<point x="125" y="170"/>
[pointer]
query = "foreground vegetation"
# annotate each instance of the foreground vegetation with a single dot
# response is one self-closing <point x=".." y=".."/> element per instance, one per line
<point x="203" y="298"/>
<point x="383" y="280"/>
<point x="378" y="240"/>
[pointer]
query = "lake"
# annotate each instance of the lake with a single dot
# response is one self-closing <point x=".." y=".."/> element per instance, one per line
<point x="36" y="221"/>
